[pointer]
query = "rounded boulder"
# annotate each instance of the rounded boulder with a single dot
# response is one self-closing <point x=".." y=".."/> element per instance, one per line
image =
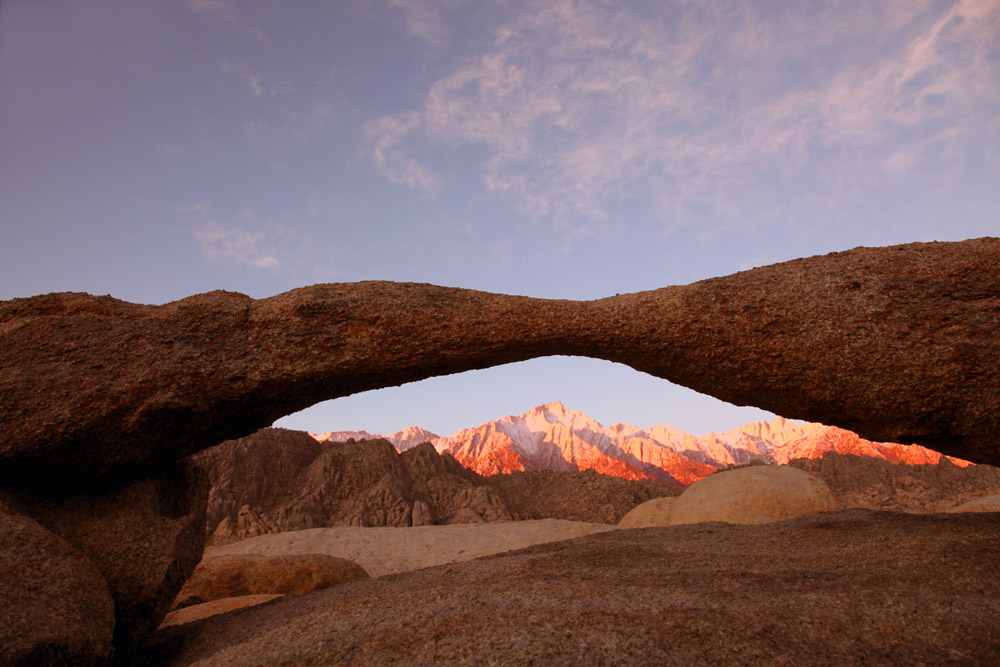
<point x="654" y="512"/>
<point x="752" y="495"/>
<point x="55" y="605"/>
<point x="255" y="574"/>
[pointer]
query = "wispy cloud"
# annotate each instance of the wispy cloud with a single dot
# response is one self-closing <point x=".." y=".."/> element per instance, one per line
<point x="391" y="161"/>
<point x="581" y="106"/>
<point x="225" y="12"/>
<point x="235" y="242"/>
<point x="194" y="207"/>
<point x="424" y="17"/>
<point x="255" y="80"/>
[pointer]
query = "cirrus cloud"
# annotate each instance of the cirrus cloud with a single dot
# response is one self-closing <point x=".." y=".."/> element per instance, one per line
<point x="580" y="105"/>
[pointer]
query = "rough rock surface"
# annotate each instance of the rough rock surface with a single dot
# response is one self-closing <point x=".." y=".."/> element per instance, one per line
<point x="382" y="551"/>
<point x="278" y="480"/>
<point x="863" y="481"/>
<point x="898" y="344"/>
<point x="55" y="606"/>
<point x="256" y="574"/>
<point x="145" y="537"/>
<point x="850" y="587"/>
<point x="753" y="494"/>
<point x="655" y="512"/>
<point x="577" y="496"/>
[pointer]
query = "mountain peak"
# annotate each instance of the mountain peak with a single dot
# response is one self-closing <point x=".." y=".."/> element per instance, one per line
<point x="556" y="408"/>
<point x="556" y="437"/>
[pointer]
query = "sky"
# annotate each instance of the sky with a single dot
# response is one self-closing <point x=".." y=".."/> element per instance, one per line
<point x="560" y="148"/>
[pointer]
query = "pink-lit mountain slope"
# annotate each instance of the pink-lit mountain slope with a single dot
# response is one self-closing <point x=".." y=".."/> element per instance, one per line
<point x="552" y="436"/>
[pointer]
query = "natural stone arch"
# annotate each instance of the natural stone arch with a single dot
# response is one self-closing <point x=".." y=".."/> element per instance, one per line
<point x="897" y="343"/>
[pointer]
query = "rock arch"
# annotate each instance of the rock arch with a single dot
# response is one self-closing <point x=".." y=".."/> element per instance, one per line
<point x="898" y="343"/>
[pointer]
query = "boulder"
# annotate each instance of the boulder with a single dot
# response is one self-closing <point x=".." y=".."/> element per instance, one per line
<point x="55" y="605"/>
<point x="897" y="344"/>
<point x="754" y="494"/>
<point x="853" y="587"/>
<point x="655" y="512"/>
<point x="987" y="504"/>
<point x="145" y="537"/>
<point x="257" y="574"/>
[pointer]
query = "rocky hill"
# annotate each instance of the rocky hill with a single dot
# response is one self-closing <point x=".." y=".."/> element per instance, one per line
<point x="554" y="437"/>
<point x="864" y="481"/>
<point x="278" y="480"/>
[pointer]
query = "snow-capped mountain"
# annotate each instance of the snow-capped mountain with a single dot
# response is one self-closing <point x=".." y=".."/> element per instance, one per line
<point x="408" y="438"/>
<point x="553" y="436"/>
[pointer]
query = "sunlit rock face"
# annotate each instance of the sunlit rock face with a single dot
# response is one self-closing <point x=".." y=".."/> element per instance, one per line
<point x="897" y="344"/>
<point x="553" y="436"/>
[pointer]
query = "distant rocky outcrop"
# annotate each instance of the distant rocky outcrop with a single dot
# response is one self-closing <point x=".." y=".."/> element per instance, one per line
<point x="278" y="480"/>
<point x="578" y="496"/>
<point x="863" y="481"/>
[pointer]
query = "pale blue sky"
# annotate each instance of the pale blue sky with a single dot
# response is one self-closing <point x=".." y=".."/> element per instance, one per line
<point x="157" y="149"/>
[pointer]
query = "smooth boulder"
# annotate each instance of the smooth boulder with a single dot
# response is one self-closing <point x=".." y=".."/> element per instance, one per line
<point x="751" y="495"/>
<point x="257" y="574"/>
<point x="655" y="512"/>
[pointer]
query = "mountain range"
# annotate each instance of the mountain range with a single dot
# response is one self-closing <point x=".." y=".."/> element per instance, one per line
<point x="555" y="437"/>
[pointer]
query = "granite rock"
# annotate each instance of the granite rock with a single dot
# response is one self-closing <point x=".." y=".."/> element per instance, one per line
<point x="55" y="605"/>
<point x="753" y="494"/>
<point x="257" y="574"/>
<point x="840" y="588"/>
<point x="897" y="344"/>
<point x="145" y="537"/>
<point x="655" y="512"/>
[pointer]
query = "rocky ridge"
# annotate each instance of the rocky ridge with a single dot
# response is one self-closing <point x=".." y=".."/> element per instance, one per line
<point x="279" y="480"/>
<point x="554" y="437"/>
<point x="864" y="481"/>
